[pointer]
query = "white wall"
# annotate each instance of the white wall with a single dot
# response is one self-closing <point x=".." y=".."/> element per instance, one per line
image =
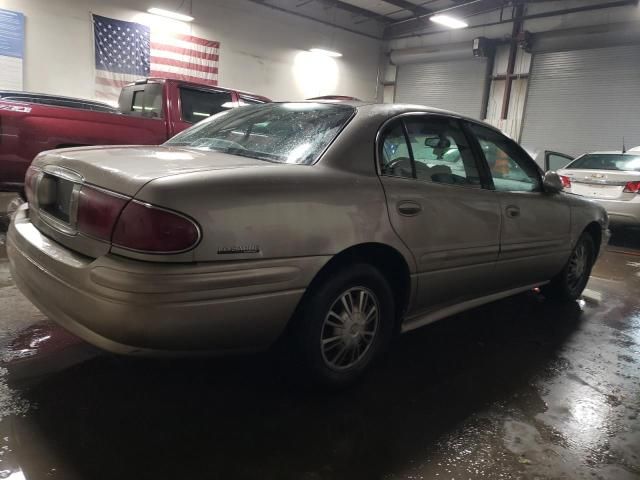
<point x="261" y="50"/>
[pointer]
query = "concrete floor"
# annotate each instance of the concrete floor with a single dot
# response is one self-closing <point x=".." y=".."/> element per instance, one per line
<point x="522" y="388"/>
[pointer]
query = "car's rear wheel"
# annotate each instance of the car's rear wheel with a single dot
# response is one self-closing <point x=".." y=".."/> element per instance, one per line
<point x="571" y="281"/>
<point x="344" y="323"/>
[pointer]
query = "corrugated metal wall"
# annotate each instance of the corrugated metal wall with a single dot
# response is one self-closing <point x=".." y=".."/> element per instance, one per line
<point x="456" y="85"/>
<point x="584" y="100"/>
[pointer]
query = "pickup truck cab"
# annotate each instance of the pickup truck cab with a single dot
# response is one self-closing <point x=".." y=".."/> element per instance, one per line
<point x="149" y="112"/>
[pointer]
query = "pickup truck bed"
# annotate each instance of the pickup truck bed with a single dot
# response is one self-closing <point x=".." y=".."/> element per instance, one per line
<point x="150" y="112"/>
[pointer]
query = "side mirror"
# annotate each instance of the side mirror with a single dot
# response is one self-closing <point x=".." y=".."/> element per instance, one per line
<point x="552" y="183"/>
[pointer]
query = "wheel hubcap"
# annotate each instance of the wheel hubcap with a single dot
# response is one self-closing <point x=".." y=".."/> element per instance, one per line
<point x="577" y="266"/>
<point x="349" y="328"/>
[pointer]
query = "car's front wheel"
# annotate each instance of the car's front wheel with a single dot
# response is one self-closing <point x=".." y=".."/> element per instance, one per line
<point x="572" y="280"/>
<point x="345" y="321"/>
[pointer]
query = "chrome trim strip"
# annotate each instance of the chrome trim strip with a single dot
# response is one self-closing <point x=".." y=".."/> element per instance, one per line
<point x="63" y="172"/>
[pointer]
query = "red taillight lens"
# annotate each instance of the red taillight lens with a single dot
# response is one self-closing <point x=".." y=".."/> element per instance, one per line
<point x="566" y="181"/>
<point x="30" y="179"/>
<point x="632" y="187"/>
<point x="98" y="212"/>
<point x="146" y="228"/>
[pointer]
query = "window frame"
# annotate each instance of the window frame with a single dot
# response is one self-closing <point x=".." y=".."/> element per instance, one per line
<point x="549" y="153"/>
<point x="485" y="164"/>
<point x="204" y="90"/>
<point x="485" y="178"/>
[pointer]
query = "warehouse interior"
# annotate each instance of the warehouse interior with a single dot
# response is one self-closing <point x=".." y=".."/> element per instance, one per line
<point x="519" y="388"/>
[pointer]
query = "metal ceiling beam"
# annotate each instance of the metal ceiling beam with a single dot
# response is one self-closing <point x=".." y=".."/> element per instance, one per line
<point x="410" y="25"/>
<point x="412" y="7"/>
<point x="314" y="19"/>
<point x="347" y="7"/>
<point x="550" y="13"/>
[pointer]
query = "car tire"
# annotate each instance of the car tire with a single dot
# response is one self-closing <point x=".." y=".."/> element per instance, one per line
<point x="569" y="284"/>
<point x="344" y="323"/>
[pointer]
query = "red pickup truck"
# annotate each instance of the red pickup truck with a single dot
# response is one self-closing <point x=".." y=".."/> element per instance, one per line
<point x="150" y="111"/>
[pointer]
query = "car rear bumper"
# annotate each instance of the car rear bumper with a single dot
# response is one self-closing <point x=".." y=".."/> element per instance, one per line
<point x="131" y="307"/>
<point x="621" y="212"/>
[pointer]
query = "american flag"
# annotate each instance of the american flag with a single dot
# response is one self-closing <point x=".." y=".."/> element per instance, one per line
<point x="128" y="51"/>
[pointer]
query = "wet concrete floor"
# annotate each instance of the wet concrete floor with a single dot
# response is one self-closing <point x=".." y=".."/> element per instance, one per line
<point x="522" y="388"/>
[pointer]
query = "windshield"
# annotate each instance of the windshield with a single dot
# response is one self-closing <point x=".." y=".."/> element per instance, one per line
<point x="607" y="161"/>
<point x="275" y="132"/>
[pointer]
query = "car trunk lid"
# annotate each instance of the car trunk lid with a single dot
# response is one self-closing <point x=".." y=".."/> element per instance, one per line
<point x="112" y="175"/>
<point x="126" y="169"/>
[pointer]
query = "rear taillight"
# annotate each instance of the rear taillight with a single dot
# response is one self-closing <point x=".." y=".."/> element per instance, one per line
<point x="98" y="212"/>
<point x="145" y="228"/>
<point x="566" y="181"/>
<point x="30" y="180"/>
<point x="632" y="187"/>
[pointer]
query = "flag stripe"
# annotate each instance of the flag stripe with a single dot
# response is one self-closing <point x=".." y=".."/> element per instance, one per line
<point x="196" y="40"/>
<point x="157" y="48"/>
<point x="189" y="65"/>
<point x="183" y="58"/>
<point x="156" y="67"/>
<point x="163" y="39"/>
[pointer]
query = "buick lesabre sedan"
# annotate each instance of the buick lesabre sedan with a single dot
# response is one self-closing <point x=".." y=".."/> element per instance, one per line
<point x="330" y="226"/>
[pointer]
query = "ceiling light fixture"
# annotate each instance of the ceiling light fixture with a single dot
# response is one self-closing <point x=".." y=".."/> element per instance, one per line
<point x="169" y="14"/>
<point x="327" y="53"/>
<point x="448" y="21"/>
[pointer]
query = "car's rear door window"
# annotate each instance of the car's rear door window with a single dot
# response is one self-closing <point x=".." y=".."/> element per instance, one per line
<point x="429" y="148"/>
<point x="395" y="158"/>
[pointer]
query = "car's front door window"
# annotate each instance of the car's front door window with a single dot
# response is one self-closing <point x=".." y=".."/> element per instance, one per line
<point x="510" y="169"/>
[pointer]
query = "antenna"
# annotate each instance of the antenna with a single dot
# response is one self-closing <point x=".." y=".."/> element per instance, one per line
<point x="624" y="149"/>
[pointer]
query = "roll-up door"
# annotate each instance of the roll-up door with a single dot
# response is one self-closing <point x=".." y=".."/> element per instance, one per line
<point x="583" y="100"/>
<point x="456" y="85"/>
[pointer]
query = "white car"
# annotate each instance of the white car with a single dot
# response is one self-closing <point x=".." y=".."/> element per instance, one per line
<point x="610" y="178"/>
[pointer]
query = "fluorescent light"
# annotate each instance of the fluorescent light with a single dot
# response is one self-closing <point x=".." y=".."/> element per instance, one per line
<point x="448" y="21"/>
<point x="328" y="53"/>
<point x="169" y="14"/>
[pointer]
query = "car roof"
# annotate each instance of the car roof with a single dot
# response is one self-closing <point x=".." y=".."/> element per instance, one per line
<point x="393" y="109"/>
<point x="616" y="152"/>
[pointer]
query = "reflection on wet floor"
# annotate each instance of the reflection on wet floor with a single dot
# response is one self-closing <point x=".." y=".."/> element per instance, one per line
<point x="522" y="388"/>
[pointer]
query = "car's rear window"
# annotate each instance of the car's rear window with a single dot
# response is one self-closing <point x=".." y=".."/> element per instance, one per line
<point x="607" y="161"/>
<point x="275" y="132"/>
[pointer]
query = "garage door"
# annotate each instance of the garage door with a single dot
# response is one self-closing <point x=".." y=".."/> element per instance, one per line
<point x="456" y="85"/>
<point x="583" y="101"/>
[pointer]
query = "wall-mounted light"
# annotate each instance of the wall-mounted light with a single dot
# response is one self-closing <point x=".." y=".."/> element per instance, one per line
<point x="327" y="53"/>
<point x="169" y="14"/>
<point x="448" y="21"/>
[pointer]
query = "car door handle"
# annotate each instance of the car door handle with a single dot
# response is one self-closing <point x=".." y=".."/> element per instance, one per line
<point x="408" y="208"/>
<point x="512" y="211"/>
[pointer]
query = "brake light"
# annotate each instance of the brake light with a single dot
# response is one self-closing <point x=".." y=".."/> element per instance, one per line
<point x="632" y="187"/>
<point x="566" y="181"/>
<point x="30" y="180"/>
<point x="145" y="228"/>
<point x="98" y="212"/>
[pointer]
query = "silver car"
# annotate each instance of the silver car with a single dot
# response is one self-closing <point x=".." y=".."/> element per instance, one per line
<point x="610" y="178"/>
<point x="330" y="226"/>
